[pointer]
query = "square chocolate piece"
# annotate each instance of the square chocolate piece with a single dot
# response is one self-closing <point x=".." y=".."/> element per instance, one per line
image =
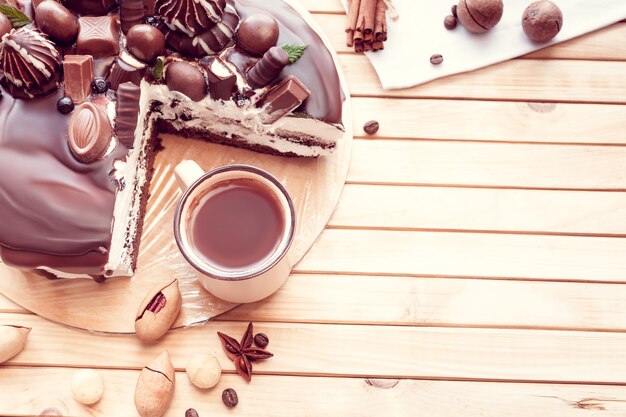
<point x="98" y="36"/>
<point x="283" y="99"/>
<point x="78" y="70"/>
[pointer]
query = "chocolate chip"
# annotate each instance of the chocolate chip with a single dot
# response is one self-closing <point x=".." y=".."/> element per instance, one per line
<point x="65" y="105"/>
<point x="450" y="22"/>
<point x="99" y="85"/>
<point x="371" y="127"/>
<point x="261" y="340"/>
<point x="191" y="413"/>
<point x="453" y="10"/>
<point x="436" y="59"/>
<point x="229" y="397"/>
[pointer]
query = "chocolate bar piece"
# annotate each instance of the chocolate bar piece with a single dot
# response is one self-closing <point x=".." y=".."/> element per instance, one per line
<point x="127" y="113"/>
<point x="222" y="80"/>
<point x="98" y="36"/>
<point x="283" y="99"/>
<point x="78" y="71"/>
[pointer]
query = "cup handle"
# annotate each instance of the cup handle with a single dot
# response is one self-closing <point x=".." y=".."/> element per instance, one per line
<point x="186" y="173"/>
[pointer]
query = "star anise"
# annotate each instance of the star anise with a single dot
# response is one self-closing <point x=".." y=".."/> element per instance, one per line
<point x="242" y="353"/>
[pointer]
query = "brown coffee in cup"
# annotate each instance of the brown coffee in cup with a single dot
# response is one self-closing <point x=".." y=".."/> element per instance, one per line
<point x="236" y="224"/>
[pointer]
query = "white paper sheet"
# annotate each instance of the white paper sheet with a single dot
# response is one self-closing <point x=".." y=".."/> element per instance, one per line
<point x="419" y="33"/>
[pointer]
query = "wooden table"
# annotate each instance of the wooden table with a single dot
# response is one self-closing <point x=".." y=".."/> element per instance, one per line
<point x="476" y="265"/>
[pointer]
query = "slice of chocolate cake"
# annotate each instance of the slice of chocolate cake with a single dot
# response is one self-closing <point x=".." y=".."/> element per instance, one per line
<point x="83" y="103"/>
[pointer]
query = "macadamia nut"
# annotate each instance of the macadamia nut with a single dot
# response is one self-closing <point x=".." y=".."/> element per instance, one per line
<point x="87" y="386"/>
<point x="542" y="21"/>
<point x="204" y="371"/>
<point x="479" y="16"/>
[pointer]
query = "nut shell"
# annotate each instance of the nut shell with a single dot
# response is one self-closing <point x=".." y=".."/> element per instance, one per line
<point x="152" y="325"/>
<point x="12" y="341"/>
<point x="155" y="387"/>
<point x="542" y="21"/>
<point x="479" y="16"/>
<point x="57" y="22"/>
<point x="89" y="133"/>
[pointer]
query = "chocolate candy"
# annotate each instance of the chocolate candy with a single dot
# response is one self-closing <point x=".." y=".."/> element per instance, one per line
<point x="148" y="6"/>
<point x="127" y="106"/>
<point x="98" y="36"/>
<point x="479" y="16"/>
<point x="268" y="67"/>
<point x="65" y="105"/>
<point x="542" y="21"/>
<point x="283" y="99"/>
<point x="89" y="133"/>
<point x="222" y="80"/>
<point x="31" y="63"/>
<point x="5" y="25"/>
<point x="258" y="33"/>
<point x="99" y="85"/>
<point x="78" y="70"/>
<point x="57" y="22"/>
<point x="131" y="13"/>
<point x="186" y="79"/>
<point x="191" y="16"/>
<point x="146" y="42"/>
<point x="123" y="70"/>
<point x="90" y="7"/>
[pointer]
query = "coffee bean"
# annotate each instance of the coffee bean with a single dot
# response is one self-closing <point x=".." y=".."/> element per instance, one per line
<point x="371" y="127"/>
<point x="191" y="413"/>
<point x="229" y="396"/>
<point x="261" y="340"/>
<point x="449" y="22"/>
<point x="454" y="11"/>
<point x="436" y="59"/>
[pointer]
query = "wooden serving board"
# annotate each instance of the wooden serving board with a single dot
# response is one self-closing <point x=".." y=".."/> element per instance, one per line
<point x="314" y="184"/>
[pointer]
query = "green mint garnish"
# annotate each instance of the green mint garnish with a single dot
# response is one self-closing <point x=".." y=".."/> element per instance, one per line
<point x="16" y="17"/>
<point x="158" y="68"/>
<point x="295" y="52"/>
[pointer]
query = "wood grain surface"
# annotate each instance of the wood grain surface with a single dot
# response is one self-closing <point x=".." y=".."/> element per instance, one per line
<point x="475" y="264"/>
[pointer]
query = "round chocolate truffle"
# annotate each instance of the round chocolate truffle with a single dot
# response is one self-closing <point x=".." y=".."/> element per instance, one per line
<point x="145" y="42"/>
<point x="258" y="33"/>
<point x="542" y="21"/>
<point x="5" y="25"/>
<point x="186" y="79"/>
<point x="57" y="22"/>
<point x="479" y="16"/>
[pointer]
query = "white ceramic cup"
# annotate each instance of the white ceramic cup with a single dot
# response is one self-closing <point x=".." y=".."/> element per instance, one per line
<point x="241" y="285"/>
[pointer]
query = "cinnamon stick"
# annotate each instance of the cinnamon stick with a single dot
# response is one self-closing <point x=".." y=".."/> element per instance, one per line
<point x="367" y="16"/>
<point x="380" y="25"/>
<point x="378" y="46"/>
<point x="350" y="39"/>
<point x="359" y="47"/>
<point x="353" y="15"/>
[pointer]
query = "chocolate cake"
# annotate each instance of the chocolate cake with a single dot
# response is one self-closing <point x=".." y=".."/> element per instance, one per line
<point x="86" y="87"/>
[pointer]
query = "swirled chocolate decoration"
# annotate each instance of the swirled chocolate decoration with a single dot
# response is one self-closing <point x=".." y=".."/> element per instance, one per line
<point x="191" y="16"/>
<point x="31" y="63"/>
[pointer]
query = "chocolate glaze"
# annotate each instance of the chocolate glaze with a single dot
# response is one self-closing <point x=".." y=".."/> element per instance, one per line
<point x="57" y="212"/>
<point x="50" y="204"/>
<point x="315" y="69"/>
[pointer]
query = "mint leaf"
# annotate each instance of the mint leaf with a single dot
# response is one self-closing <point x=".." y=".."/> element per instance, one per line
<point x="16" y="17"/>
<point x="295" y="52"/>
<point x="157" y="71"/>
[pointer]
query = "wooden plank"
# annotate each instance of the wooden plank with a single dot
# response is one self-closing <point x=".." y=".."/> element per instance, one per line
<point x="323" y="6"/>
<point x="604" y="44"/>
<point x="441" y="302"/>
<point x="31" y="390"/>
<point x="525" y="257"/>
<point x="492" y="120"/>
<point x="519" y="80"/>
<point x="8" y="306"/>
<point x="488" y="165"/>
<point x="348" y="350"/>
<point x="475" y="209"/>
